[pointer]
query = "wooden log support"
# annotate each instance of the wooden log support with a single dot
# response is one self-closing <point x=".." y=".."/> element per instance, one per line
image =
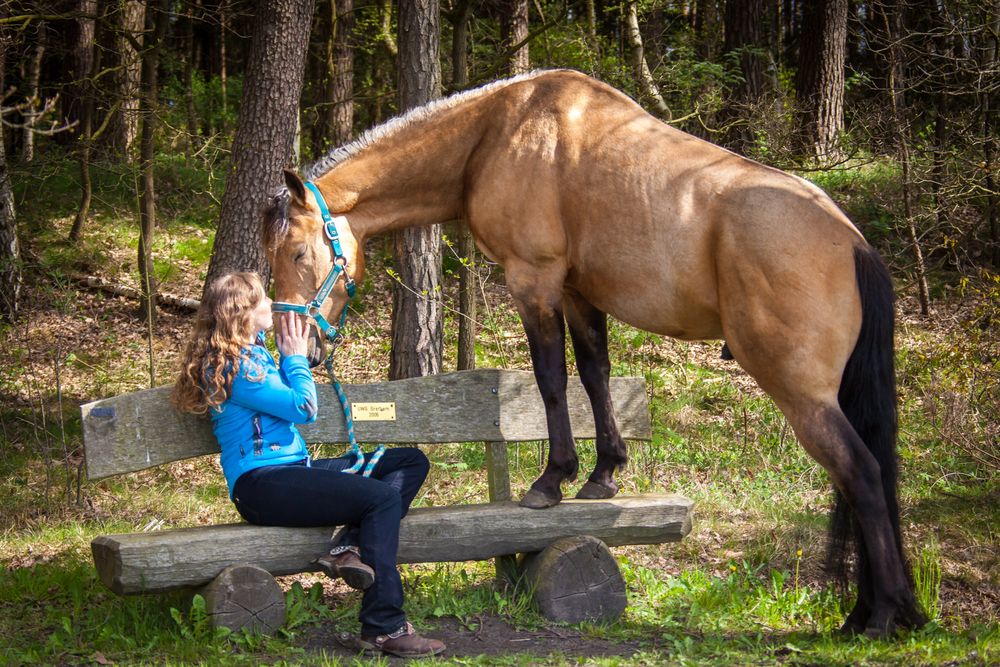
<point x="576" y="579"/>
<point x="245" y="596"/>
<point x="167" y="560"/>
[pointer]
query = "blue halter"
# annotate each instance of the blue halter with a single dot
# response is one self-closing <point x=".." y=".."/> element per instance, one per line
<point x="339" y="268"/>
<point x="333" y="334"/>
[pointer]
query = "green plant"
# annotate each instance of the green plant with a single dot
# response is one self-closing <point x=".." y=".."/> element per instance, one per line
<point x="927" y="580"/>
<point x="304" y="607"/>
<point x="195" y="625"/>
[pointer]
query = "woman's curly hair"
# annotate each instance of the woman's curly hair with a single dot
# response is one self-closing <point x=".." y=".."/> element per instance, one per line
<point x="217" y="349"/>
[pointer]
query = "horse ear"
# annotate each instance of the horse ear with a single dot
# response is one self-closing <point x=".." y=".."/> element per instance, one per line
<point x="295" y="186"/>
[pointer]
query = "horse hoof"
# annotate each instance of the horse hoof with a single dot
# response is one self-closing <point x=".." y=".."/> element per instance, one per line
<point x="851" y="629"/>
<point x="880" y="631"/>
<point x="595" y="491"/>
<point x="536" y="500"/>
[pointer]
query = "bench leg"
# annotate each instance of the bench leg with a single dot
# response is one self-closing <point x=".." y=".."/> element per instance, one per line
<point x="245" y="596"/>
<point x="576" y="579"/>
<point x="498" y="485"/>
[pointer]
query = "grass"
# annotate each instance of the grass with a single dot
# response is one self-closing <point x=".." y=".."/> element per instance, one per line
<point x="745" y="587"/>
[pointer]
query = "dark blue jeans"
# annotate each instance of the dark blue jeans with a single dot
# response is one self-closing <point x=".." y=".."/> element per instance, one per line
<point x="371" y="507"/>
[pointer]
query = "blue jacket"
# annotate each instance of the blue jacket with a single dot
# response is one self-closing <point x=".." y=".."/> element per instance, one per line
<point x="255" y="426"/>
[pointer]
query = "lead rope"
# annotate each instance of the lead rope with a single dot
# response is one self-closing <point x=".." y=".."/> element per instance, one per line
<point x="359" y="462"/>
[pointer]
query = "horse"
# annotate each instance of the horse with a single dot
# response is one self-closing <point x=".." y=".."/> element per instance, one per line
<point x="596" y="208"/>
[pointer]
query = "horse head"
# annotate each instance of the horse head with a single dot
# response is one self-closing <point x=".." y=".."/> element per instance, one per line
<point x="313" y="265"/>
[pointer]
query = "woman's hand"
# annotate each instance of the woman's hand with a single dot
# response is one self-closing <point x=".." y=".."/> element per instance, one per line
<point x="292" y="336"/>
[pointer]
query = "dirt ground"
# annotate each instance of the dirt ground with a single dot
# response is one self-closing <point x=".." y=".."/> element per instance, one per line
<point x="483" y="635"/>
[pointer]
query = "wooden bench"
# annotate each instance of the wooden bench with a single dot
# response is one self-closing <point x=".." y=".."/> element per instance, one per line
<point x="237" y="562"/>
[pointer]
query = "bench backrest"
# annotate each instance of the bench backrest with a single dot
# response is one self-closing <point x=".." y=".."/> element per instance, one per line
<point x="141" y="430"/>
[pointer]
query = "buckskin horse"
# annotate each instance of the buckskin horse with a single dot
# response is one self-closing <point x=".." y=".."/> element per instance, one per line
<point x="595" y="208"/>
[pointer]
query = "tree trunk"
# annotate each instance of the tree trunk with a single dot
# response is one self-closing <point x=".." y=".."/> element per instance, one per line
<point x="820" y="80"/>
<point x="706" y="29"/>
<point x="383" y="61"/>
<point x="990" y="56"/>
<point x="340" y="73"/>
<point x="223" y="70"/>
<point x="592" y="41"/>
<point x="10" y="253"/>
<point x="157" y="18"/>
<point x="189" y="64"/>
<point x="417" y="317"/>
<point x="893" y="18"/>
<point x="640" y="69"/>
<point x="745" y="25"/>
<point x="459" y="18"/>
<point x="31" y="94"/>
<point x="265" y="133"/>
<point x="132" y="18"/>
<point x="85" y="58"/>
<point x="466" y="245"/>
<point x="514" y="31"/>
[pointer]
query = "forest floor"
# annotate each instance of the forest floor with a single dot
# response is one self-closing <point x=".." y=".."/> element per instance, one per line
<point x="746" y="586"/>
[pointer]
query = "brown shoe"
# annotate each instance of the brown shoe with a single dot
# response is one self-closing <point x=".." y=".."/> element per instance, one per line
<point x="347" y="565"/>
<point x="405" y="643"/>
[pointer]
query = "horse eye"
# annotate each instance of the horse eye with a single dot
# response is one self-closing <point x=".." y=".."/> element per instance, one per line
<point x="300" y="254"/>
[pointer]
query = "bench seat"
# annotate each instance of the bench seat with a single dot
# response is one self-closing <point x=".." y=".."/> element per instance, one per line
<point x="187" y="557"/>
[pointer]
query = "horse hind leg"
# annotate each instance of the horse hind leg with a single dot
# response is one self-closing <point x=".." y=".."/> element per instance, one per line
<point x="588" y="328"/>
<point x="885" y="595"/>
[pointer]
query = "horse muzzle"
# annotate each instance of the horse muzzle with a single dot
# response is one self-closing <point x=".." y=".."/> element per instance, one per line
<point x="316" y="350"/>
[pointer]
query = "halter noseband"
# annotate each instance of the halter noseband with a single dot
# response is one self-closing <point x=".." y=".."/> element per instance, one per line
<point x="332" y="334"/>
<point x="339" y="268"/>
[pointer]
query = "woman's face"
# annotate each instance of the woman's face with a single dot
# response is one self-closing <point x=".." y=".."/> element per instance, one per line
<point x="262" y="318"/>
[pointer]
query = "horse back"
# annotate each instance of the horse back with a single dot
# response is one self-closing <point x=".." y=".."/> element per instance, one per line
<point x="641" y="217"/>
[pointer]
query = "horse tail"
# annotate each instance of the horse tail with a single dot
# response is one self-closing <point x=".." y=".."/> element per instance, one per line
<point x="867" y="398"/>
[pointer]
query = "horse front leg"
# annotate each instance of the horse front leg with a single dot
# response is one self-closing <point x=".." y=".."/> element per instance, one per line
<point x="588" y="328"/>
<point x="545" y="329"/>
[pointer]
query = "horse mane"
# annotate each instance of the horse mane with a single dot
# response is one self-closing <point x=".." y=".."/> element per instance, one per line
<point x="393" y="125"/>
<point x="274" y="221"/>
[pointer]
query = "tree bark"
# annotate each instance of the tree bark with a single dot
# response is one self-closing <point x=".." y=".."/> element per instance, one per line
<point x="132" y="18"/>
<point x="466" y="249"/>
<point x="340" y="73"/>
<point x="383" y="61"/>
<point x="265" y="133"/>
<point x="591" y="24"/>
<point x="189" y="64"/>
<point x="514" y="31"/>
<point x="990" y="56"/>
<point x="459" y="19"/>
<point x="640" y="68"/>
<point x="223" y="70"/>
<point x="85" y="61"/>
<point x="820" y="79"/>
<point x="894" y="30"/>
<point x="10" y="253"/>
<point x="745" y="25"/>
<point x="157" y="18"/>
<point x="706" y="29"/>
<point x="31" y="93"/>
<point x="417" y="316"/>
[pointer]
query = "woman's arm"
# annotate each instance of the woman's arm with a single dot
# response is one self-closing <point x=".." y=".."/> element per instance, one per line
<point x="293" y="397"/>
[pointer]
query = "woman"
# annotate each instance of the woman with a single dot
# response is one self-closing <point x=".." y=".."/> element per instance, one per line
<point x="254" y="405"/>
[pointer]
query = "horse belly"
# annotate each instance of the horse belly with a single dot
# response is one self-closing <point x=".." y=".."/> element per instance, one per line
<point x="673" y="299"/>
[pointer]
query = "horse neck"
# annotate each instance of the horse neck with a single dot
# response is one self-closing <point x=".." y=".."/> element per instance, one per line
<point x="412" y="177"/>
